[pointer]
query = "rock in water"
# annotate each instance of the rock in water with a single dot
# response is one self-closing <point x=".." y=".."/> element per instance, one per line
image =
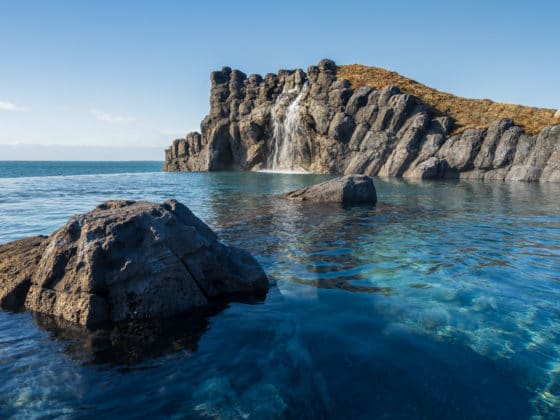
<point x="349" y="189"/>
<point x="126" y="260"/>
<point x="18" y="260"/>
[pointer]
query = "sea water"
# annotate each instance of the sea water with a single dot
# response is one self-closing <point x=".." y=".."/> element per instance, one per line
<point x="440" y="302"/>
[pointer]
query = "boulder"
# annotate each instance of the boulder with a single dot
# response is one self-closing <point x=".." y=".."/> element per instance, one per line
<point x="18" y="260"/>
<point x="349" y="189"/>
<point x="128" y="260"/>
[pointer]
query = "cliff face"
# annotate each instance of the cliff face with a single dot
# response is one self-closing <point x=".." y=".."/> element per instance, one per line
<point x="314" y="122"/>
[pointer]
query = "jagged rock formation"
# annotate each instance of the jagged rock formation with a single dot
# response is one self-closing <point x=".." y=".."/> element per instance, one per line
<point x="314" y="122"/>
<point x="125" y="260"/>
<point x="349" y="189"/>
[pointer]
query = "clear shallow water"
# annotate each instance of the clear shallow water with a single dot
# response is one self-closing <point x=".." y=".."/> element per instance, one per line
<point x="440" y="302"/>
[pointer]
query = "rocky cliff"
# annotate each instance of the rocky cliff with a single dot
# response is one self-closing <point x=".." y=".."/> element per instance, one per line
<point x="317" y="122"/>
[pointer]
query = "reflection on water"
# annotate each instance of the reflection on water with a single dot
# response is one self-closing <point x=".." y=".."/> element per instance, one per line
<point x="132" y="342"/>
<point x="440" y="302"/>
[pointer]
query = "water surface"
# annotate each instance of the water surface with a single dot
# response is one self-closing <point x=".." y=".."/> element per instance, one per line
<point x="440" y="302"/>
<point x="16" y="169"/>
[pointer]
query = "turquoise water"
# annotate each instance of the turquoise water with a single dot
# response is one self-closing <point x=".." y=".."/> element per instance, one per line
<point x="440" y="302"/>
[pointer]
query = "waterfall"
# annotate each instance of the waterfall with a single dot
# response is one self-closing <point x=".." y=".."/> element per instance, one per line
<point x="284" y="133"/>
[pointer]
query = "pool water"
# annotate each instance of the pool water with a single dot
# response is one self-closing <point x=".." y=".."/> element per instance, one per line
<point x="442" y="301"/>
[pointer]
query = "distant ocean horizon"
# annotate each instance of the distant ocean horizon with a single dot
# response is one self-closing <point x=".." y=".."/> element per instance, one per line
<point x="42" y="168"/>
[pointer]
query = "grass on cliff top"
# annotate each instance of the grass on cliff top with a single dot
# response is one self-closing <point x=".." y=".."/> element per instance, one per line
<point x="466" y="113"/>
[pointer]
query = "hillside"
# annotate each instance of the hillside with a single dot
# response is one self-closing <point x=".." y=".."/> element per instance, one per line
<point x="467" y="113"/>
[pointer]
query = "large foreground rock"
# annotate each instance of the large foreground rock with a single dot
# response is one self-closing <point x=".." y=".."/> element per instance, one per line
<point x="349" y="189"/>
<point x="133" y="260"/>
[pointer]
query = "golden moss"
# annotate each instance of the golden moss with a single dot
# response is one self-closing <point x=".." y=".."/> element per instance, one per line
<point x="467" y="113"/>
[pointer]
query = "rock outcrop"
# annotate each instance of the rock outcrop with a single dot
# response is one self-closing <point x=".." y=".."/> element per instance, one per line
<point x="126" y="260"/>
<point x="349" y="189"/>
<point x="312" y="121"/>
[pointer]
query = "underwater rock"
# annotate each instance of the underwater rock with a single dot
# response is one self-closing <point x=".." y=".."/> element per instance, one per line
<point x="128" y="260"/>
<point x="133" y="341"/>
<point x="219" y="398"/>
<point x="349" y="189"/>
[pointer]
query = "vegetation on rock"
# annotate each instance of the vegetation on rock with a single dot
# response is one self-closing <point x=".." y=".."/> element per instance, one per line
<point x="466" y="113"/>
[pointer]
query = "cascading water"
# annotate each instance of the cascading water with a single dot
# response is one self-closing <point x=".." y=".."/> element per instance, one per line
<point x="284" y="135"/>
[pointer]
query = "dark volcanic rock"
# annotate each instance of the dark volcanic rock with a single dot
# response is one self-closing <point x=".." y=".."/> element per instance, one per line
<point x="349" y="189"/>
<point x="18" y="260"/>
<point x="334" y="129"/>
<point x="127" y="260"/>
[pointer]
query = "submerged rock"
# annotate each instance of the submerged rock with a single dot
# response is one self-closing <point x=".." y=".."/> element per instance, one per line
<point x="349" y="189"/>
<point x="134" y="260"/>
<point x="132" y="341"/>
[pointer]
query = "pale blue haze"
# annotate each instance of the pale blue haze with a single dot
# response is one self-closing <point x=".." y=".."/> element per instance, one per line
<point x="136" y="73"/>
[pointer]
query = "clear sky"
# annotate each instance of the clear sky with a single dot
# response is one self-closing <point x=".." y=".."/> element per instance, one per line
<point x="136" y="73"/>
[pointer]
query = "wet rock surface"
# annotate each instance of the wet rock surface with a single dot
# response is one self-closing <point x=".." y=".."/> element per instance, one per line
<point x="18" y="260"/>
<point x="350" y="189"/>
<point x="126" y="260"/>
<point x="319" y="124"/>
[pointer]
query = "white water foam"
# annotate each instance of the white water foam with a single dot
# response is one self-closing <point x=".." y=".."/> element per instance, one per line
<point x="283" y="171"/>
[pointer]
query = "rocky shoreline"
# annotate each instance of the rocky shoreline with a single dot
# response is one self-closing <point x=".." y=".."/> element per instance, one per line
<point x="315" y="122"/>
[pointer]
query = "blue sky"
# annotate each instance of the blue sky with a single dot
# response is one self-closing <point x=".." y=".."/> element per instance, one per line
<point x="136" y="74"/>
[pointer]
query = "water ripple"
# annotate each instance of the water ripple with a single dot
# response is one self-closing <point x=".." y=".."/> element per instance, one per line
<point x="441" y="301"/>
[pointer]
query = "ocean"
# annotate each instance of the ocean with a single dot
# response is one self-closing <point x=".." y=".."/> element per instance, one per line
<point x="439" y="302"/>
